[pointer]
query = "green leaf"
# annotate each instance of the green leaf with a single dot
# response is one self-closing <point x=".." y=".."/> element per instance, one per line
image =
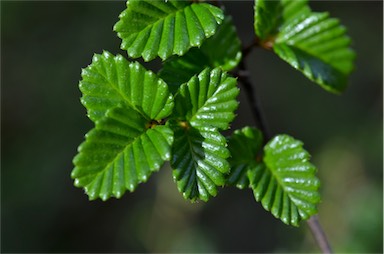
<point x="317" y="46"/>
<point x="271" y="15"/>
<point x="310" y="42"/>
<point x="223" y="50"/>
<point x="198" y="160"/>
<point x="202" y="106"/>
<point x="286" y="183"/>
<point x="111" y="81"/>
<point x="119" y="153"/>
<point x="163" y="28"/>
<point x="244" y="146"/>
<point x="207" y="100"/>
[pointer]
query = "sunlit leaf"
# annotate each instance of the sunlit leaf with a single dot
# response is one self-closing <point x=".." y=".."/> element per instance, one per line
<point x="208" y="99"/>
<point x="310" y="42"/>
<point x="202" y="106"/>
<point x="163" y="28"/>
<point x="318" y="46"/>
<point x="286" y="183"/>
<point x="110" y="81"/>
<point x="271" y="15"/>
<point x="198" y="161"/>
<point x="123" y="150"/>
<point x="129" y="142"/>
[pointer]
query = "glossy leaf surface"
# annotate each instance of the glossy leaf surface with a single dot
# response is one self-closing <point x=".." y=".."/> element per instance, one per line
<point x="163" y="28"/>
<point x="310" y="42"/>
<point x="119" y="153"/>
<point x="286" y="183"/>
<point x="198" y="161"/>
<point x="202" y="106"/>
<point x="271" y="15"/>
<point x="317" y="46"/>
<point x="208" y="99"/>
<point x="111" y="81"/>
<point x="223" y="50"/>
<point x="244" y="146"/>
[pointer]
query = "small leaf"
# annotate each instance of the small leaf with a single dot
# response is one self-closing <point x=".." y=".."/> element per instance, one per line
<point x="163" y="28"/>
<point x="198" y="160"/>
<point x="110" y="81"/>
<point x="317" y="46"/>
<point x="208" y="100"/>
<point x="119" y="153"/>
<point x="244" y="146"/>
<point x="286" y="183"/>
<point x="223" y="50"/>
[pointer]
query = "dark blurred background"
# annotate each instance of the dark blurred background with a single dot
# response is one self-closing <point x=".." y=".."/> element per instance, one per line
<point x="44" y="45"/>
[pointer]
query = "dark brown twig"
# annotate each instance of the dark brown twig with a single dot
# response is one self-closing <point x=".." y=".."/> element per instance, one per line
<point x="255" y="107"/>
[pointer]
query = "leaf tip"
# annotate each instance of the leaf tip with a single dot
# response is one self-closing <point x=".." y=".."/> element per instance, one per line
<point x="104" y="196"/>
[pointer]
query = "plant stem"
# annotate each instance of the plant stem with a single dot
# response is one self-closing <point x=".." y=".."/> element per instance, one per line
<point x="318" y="234"/>
<point x="243" y="75"/>
<point x="255" y="107"/>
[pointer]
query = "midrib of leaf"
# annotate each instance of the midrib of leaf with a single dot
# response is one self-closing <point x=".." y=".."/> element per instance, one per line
<point x="200" y="108"/>
<point x="117" y="155"/>
<point x="116" y="88"/>
<point x="314" y="20"/>
<point x="194" y="172"/>
<point x="278" y="179"/>
<point x="164" y="16"/>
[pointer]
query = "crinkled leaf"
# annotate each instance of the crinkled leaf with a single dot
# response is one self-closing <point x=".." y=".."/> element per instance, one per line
<point x="319" y="47"/>
<point x="312" y="43"/>
<point x="223" y="50"/>
<point x="286" y="183"/>
<point x="198" y="160"/>
<point x="270" y="15"/>
<point x="244" y="146"/>
<point x="208" y="100"/>
<point x="119" y="153"/>
<point x="202" y="106"/>
<point x="110" y="81"/>
<point x="163" y="28"/>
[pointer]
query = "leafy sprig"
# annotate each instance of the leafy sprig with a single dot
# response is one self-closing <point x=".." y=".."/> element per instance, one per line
<point x="143" y="119"/>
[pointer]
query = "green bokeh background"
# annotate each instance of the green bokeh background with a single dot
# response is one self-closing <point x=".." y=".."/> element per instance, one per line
<point x="44" y="45"/>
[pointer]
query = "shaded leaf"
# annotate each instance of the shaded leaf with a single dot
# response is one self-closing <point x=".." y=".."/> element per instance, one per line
<point x="244" y="146"/>
<point x="110" y="81"/>
<point x="223" y="50"/>
<point x="208" y="100"/>
<point x="286" y="183"/>
<point x="198" y="160"/>
<point x="119" y="153"/>
<point x="163" y="28"/>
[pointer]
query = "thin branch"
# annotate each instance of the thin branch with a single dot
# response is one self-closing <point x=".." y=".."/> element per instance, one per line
<point x="247" y="49"/>
<point x="319" y="235"/>
<point x="255" y="107"/>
